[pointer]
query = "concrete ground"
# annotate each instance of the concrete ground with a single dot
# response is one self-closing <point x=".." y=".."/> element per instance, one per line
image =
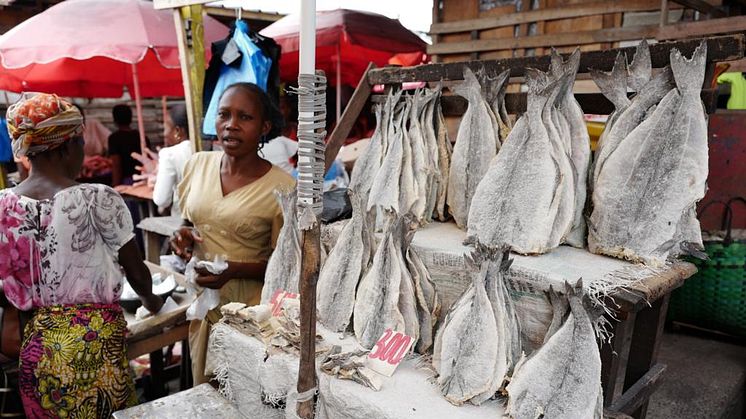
<point x="705" y="379"/>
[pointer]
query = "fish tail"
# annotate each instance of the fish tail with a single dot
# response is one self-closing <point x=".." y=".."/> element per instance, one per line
<point x="689" y="73"/>
<point x="640" y="69"/>
<point x="613" y="85"/>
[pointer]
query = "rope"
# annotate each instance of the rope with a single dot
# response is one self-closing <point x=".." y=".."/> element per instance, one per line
<point x="311" y="93"/>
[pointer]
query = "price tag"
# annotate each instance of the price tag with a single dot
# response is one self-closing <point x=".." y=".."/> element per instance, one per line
<point x="388" y="352"/>
<point x="278" y="298"/>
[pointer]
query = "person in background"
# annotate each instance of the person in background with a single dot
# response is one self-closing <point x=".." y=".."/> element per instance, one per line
<point x="228" y="203"/>
<point x="171" y="159"/>
<point x="122" y="143"/>
<point x="60" y="255"/>
<point x="281" y="149"/>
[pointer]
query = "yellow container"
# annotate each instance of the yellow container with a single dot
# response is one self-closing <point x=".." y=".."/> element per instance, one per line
<point x="594" y="131"/>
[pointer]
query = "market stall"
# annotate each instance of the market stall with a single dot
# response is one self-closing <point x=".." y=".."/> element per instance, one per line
<point x="634" y="295"/>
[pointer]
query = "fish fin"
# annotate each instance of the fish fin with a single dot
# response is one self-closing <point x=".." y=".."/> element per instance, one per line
<point x="536" y="81"/>
<point x="641" y="67"/>
<point x="613" y="85"/>
<point x="694" y="250"/>
<point x="689" y="73"/>
<point x="470" y="86"/>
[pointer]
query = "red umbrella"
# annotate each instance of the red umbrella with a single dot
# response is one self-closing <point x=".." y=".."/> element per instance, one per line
<point x="93" y="48"/>
<point x="358" y="37"/>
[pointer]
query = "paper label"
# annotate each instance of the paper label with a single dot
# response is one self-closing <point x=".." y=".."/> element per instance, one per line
<point x="388" y="352"/>
<point x="278" y="298"/>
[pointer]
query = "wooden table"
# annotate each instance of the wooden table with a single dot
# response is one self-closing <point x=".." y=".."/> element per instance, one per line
<point x="151" y="335"/>
<point x="630" y="368"/>
<point x="154" y="228"/>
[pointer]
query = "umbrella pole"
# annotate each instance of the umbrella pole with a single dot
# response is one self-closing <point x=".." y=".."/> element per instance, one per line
<point x="138" y="109"/>
<point x="311" y="94"/>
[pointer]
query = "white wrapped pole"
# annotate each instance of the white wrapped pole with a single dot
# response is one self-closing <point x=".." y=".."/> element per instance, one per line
<point x="311" y="133"/>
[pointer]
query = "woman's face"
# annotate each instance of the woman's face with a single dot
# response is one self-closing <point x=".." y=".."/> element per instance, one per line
<point x="239" y="124"/>
<point x="172" y="134"/>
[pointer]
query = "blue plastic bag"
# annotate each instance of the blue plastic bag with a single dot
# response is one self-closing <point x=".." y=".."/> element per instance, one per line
<point x="254" y="68"/>
<point x="6" y="151"/>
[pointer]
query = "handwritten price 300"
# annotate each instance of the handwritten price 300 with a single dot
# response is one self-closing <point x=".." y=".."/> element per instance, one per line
<point x="391" y="348"/>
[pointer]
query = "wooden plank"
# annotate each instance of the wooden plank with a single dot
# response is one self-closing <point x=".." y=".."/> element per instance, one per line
<point x="192" y="61"/>
<point x="172" y="4"/>
<point x="702" y="28"/>
<point x="309" y="275"/>
<point x="639" y="394"/>
<point x="614" y="357"/>
<point x="645" y="346"/>
<point x="721" y="48"/>
<point x="515" y="103"/>
<point x="664" y="13"/>
<point x="349" y="116"/>
<point x="435" y="20"/>
<point x="703" y="7"/>
<point x="155" y="342"/>
<point x="549" y="39"/>
<point x="165" y="226"/>
<point x="538" y="15"/>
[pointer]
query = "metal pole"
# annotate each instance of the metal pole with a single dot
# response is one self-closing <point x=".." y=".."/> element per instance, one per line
<point x="138" y="109"/>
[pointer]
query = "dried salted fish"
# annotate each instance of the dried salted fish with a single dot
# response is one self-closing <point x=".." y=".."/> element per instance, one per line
<point x="657" y="175"/>
<point x="367" y="165"/>
<point x="508" y="328"/>
<point x="384" y="192"/>
<point x="562" y="208"/>
<point x="466" y="347"/>
<point x="428" y="301"/>
<point x="632" y="116"/>
<point x="640" y="69"/>
<point x="427" y="122"/>
<point x="421" y="167"/>
<point x="562" y="379"/>
<point x="283" y="267"/>
<point x="377" y="298"/>
<point x="476" y="145"/>
<point x="350" y="366"/>
<point x="613" y="85"/>
<point x="512" y="206"/>
<point x="408" y="189"/>
<point x="338" y="279"/>
<point x="580" y="146"/>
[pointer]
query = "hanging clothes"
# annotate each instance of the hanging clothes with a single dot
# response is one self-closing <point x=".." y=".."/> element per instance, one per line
<point x="6" y="152"/>
<point x="737" y="83"/>
<point x="240" y="61"/>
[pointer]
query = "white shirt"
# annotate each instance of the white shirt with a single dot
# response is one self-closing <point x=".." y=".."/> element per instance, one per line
<point x="171" y="161"/>
<point x="278" y="151"/>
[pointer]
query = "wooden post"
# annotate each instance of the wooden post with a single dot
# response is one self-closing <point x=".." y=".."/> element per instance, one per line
<point x="192" y="59"/>
<point x="348" y="118"/>
<point x="664" y="13"/>
<point x="309" y="274"/>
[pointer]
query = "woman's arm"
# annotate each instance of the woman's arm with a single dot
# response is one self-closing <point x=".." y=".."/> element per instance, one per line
<point x="234" y="270"/>
<point x="165" y="180"/>
<point x="138" y="276"/>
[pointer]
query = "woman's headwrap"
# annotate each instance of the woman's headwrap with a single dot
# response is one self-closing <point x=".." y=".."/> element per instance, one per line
<point x="40" y="121"/>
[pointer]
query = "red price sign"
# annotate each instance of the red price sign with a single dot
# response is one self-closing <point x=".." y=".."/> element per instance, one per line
<point x="389" y="351"/>
<point x="278" y="298"/>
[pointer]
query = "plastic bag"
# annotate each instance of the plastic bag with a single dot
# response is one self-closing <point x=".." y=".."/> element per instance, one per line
<point x="254" y="68"/>
<point x="206" y="298"/>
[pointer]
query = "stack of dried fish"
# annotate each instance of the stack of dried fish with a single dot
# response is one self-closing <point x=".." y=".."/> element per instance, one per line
<point x="478" y="140"/>
<point x="652" y="168"/>
<point x="528" y="200"/>
<point x="283" y="267"/>
<point x="396" y="293"/>
<point x="345" y="265"/>
<point x="562" y="379"/>
<point x="479" y="341"/>
<point x="405" y="168"/>
<point x="350" y="366"/>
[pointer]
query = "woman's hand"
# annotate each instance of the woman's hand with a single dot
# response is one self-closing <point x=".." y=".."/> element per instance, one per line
<point x="182" y="241"/>
<point x="209" y="280"/>
<point x="152" y="302"/>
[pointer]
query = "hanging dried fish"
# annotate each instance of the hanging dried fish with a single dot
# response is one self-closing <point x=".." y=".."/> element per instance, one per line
<point x="283" y="267"/>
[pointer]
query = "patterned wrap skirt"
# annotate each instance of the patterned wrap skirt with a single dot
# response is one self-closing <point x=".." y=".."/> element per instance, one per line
<point x="73" y="362"/>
